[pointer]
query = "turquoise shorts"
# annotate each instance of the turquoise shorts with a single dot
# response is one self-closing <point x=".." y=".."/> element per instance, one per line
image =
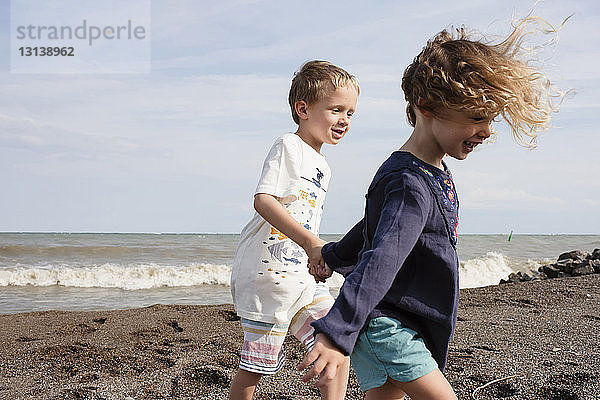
<point x="389" y="349"/>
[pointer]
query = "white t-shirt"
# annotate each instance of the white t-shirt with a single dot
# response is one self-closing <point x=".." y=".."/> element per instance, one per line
<point x="269" y="278"/>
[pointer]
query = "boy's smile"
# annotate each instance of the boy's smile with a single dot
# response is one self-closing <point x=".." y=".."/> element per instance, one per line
<point x="328" y="119"/>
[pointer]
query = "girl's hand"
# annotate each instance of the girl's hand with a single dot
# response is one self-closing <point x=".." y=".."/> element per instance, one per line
<point x="327" y="361"/>
<point x="324" y="272"/>
<point x="314" y="270"/>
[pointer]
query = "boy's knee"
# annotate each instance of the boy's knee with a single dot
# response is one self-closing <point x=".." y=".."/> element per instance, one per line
<point x="248" y="376"/>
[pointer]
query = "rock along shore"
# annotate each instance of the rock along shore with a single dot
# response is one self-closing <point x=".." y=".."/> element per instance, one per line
<point x="572" y="263"/>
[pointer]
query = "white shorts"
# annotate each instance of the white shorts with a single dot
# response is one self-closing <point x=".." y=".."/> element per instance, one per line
<point x="262" y="351"/>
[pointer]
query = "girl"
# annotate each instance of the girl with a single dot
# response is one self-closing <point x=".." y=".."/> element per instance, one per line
<point x="396" y="311"/>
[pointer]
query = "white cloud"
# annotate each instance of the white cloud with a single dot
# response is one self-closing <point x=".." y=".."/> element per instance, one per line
<point x="508" y="198"/>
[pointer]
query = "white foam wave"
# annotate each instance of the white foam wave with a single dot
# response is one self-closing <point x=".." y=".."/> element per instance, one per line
<point x="476" y="272"/>
<point x="130" y="277"/>
<point x="484" y="271"/>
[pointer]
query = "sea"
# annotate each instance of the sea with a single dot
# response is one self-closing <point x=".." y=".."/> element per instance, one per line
<point x="100" y="271"/>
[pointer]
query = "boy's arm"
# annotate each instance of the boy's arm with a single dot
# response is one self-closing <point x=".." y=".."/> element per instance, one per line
<point x="276" y="214"/>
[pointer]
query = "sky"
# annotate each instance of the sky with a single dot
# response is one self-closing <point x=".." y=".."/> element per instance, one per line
<point x="180" y="148"/>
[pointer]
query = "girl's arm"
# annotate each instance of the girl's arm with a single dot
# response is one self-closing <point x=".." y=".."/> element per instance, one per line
<point x="269" y="207"/>
<point x="403" y="216"/>
<point x="342" y="256"/>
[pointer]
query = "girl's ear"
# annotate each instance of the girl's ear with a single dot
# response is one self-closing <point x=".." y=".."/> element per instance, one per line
<point x="301" y="109"/>
<point x="421" y="107"/>
<point x="424" y="112"/>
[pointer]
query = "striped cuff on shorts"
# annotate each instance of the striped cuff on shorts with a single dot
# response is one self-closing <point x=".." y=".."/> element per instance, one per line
<point x="262" y="351"/>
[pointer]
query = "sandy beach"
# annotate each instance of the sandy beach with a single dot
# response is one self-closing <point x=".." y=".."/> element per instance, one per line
<point x="540" y="340"/>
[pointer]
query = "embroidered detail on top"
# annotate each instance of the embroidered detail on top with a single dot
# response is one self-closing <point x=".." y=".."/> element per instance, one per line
<point x="449" y="198"/>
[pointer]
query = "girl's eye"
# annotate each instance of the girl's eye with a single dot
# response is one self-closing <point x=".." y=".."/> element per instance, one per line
<point x="480" y="120"/>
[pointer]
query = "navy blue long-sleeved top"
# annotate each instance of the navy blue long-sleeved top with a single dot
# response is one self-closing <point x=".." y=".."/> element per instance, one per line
<point x="400" y="260"/>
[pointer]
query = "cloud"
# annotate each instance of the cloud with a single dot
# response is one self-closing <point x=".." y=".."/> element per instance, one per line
<point x="509" y="198"/>
<point x="195" y="131"/>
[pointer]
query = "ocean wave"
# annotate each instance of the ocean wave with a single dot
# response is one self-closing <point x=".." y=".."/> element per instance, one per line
<point x="129" y="277"/>
<point x="484" y="271"/>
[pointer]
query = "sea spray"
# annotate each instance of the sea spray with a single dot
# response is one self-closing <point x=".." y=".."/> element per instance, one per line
<point x="484" y="271"/>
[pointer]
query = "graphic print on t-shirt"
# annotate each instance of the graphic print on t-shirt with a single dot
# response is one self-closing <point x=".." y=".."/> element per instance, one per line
<point x="316" y="181"/>
<point x="281" y="251"/>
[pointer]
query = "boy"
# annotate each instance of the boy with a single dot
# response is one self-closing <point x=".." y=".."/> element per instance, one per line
<point x="271" y="287"/>
<point x="396" y="311"/>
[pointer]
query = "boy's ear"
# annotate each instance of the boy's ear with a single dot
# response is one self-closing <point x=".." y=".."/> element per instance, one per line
<point x="301" y="109"/>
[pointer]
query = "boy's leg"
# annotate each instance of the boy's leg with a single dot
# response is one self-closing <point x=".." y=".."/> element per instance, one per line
<point x="300" y="327"/>
<point x="432" y="386"/>
<point x="243" y="385"/>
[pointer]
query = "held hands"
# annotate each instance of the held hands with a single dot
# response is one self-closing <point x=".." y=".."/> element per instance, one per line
<point x="316" y="264"/>
<point x="327" y="360"/>
<point x="319" y="272"/>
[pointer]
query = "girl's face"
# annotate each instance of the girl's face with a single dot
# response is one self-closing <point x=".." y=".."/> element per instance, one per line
<point x="457" y="133"/>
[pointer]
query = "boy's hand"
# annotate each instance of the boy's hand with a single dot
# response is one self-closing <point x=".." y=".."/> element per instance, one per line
<point x="313" y="250"/>
<point x="327" y="360"/>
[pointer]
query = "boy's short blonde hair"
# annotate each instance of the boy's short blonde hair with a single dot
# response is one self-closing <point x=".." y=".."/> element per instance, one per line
<point x="453" y="71"/>
<point x="313" y="79"/>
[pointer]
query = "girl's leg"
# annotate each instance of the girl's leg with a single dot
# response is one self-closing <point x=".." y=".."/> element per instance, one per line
<point x="387" y="391"/>
<point x="432" y="386"/>
<point x="243" y="385"/>
<point x="336" y="390"/>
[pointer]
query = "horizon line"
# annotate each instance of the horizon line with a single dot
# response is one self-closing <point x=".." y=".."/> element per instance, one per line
<point x="237" y="233"/>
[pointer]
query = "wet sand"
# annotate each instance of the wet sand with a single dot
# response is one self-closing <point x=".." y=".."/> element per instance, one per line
<point x="540" y="340"/>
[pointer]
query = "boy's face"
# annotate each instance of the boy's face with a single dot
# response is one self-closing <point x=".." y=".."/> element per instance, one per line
<point x="458" y="133"/>
<point x="328" y="119"/>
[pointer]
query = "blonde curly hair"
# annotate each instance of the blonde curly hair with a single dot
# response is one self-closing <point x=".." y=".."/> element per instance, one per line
<point x="486" y="80"/>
